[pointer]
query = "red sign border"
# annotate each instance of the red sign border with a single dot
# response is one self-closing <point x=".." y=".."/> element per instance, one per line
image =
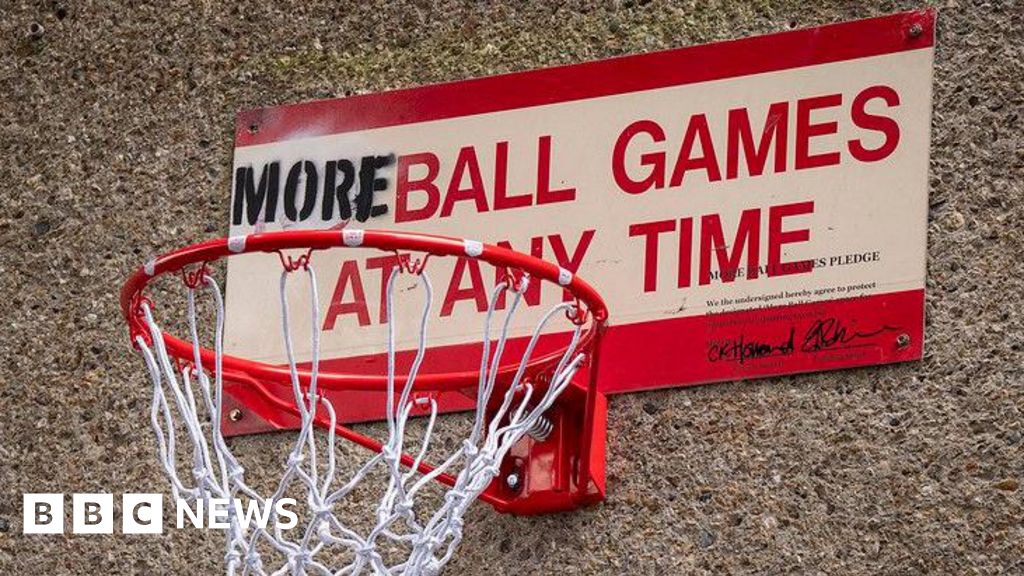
<point x="780" y="51"/>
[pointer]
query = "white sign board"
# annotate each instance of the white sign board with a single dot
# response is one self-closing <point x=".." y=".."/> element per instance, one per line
<point x="746" y="208"/>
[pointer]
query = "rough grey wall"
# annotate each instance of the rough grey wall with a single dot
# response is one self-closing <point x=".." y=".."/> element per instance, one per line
<point x="115" y="142"/>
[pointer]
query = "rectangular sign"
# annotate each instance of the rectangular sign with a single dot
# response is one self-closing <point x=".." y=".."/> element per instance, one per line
<point x="747" y="208"/>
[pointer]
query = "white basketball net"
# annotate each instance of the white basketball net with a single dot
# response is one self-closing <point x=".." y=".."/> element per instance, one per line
<point x="425" y="544"/>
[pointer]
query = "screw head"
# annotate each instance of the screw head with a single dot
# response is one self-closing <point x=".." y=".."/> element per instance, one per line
<point x="235" y="415"/>
<point x="915" y="30"/>
<point x="512" y="481"/>
<point x="903" y="340"/>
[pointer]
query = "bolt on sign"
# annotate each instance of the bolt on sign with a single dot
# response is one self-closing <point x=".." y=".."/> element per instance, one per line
<point x="747" y="208"/>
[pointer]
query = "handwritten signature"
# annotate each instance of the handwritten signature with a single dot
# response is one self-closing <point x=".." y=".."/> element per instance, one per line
<point x="742" y="350"/>
<point x="829" y="332"/>
<point x="823" y="334"/>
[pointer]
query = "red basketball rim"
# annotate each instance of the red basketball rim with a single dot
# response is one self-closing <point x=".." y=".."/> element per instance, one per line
<point x="590" y="306"/>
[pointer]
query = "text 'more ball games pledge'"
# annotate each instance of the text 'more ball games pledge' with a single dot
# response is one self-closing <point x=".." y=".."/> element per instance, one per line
<point x="747" y="208"/>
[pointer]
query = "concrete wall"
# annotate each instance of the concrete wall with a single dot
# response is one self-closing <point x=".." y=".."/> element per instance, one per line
<point x="115" y="142"/>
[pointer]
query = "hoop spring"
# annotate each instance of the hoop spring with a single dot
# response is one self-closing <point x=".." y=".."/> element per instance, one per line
<point x="541" y="429"/>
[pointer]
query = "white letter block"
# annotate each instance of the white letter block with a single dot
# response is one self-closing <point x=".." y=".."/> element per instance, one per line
<point x="92" y="513"/>
<point x="42" y="513"/>
<point x="142" y="513"/>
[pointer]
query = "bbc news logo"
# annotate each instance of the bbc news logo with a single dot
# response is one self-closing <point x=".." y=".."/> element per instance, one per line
<point x="143" y="513"/>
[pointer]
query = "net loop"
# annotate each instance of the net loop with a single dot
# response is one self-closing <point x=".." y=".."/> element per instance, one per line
<point x="578" y="314"/>
<point x="291" y="264"/>
<point x="197" y="276"/>
<point x="141" y="330"/>
<point x="516" y="279"/>
<point x="410" y="265"/>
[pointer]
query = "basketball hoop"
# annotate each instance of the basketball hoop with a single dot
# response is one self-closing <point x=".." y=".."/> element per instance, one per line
<point x="537" y="440"/>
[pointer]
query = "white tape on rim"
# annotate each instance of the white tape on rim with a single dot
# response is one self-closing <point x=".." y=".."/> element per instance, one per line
<point x="564" y="277"/>
<point x="473" y="248"/>
<point x="236" y="244"/>
<point x="352" y="238"/>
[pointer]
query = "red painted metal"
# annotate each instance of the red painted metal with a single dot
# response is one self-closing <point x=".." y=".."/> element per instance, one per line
<point x="563" y="472"/>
